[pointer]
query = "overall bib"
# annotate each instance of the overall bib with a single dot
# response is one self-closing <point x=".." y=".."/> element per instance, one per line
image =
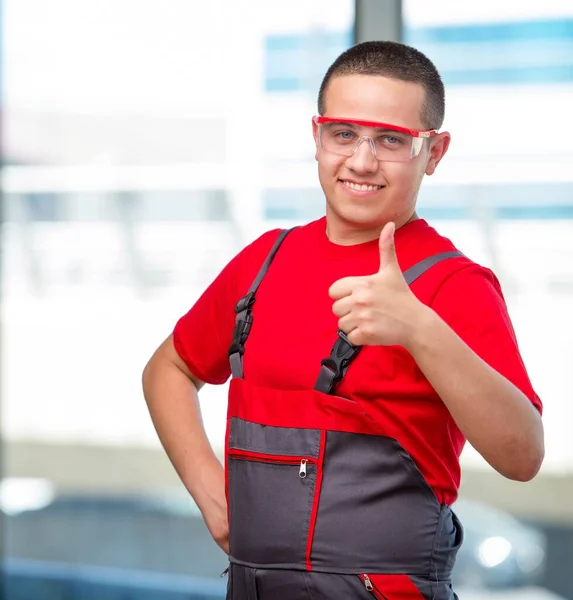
<point x="322" y="505"/>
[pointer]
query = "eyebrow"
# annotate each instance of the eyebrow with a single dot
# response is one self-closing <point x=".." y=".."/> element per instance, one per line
<point x="345" y="123"/>
<point x="354" y="127"/>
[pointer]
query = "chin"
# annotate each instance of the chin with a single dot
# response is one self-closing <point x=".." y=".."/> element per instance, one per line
<point x="363" y="217"/>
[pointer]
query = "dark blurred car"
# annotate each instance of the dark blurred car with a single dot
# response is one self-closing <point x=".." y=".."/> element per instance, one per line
<point x="499" y="551"/>
<point x="167" y="534"/>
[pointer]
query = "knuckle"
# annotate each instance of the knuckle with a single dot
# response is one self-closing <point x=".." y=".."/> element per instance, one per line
<point x="365" y="317"/>
<point x="355" y="338"/>
<point x="363" y="297"/>
<point x="367" y="327"/>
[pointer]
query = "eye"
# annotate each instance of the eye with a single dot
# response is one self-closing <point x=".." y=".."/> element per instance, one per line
<point x="392" y="140"/>
<point x="344" y="136"/>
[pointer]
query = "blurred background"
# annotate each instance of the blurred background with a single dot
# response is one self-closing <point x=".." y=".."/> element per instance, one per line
<point x="145" y="142"/>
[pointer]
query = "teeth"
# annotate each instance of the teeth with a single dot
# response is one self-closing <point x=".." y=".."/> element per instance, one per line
<point x="362" y="188"/>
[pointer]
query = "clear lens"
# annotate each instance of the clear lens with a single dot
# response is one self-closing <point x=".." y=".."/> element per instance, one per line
<point x="386" y="145"/>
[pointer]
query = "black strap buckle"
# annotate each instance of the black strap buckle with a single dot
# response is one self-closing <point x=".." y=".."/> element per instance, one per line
<point x="245" y="303"/>
<point x="342" y="354"/>
<point x="243" y="324"/>
<point x="241" y="333"/>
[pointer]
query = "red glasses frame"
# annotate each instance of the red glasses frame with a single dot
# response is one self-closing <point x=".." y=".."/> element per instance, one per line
<point x="428" y="133"/>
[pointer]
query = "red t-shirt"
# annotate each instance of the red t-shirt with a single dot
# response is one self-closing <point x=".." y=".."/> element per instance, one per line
<point x="294" y="329"/>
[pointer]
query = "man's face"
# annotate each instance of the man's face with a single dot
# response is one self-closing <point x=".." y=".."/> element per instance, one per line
<point x="382" y="100"/>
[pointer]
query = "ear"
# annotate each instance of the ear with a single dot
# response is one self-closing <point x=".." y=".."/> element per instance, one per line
<point x="315" y="136"/>
<point x="438" y="147"/>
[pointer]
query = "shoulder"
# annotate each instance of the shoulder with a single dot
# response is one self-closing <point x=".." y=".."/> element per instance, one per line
<point x="463" y="292"/>
<point x="460" y="275"/>
<point x="469" y="288"/>
<point x="452" y="269"/>
<point x="296" y="240"/>
<point x="259" y="249"/>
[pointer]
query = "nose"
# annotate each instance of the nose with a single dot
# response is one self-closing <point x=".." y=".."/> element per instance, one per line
<point x="363" y="159"/>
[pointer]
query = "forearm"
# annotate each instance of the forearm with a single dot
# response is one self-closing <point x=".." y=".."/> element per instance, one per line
<point x="173" y="404"/>
<point x="494" y="415"/>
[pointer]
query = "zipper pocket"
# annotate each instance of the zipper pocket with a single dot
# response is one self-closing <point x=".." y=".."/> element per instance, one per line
<point x="371" y="587"/>
<point x="275" y="459"/>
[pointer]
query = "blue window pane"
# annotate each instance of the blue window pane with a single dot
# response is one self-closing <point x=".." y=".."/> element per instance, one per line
<point x="499" y="53"/>
<point x="297" y="62"/>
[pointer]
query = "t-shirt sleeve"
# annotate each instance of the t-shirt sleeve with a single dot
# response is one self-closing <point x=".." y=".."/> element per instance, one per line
<point x="471" y="302"/>
<point x="202" y="337"/>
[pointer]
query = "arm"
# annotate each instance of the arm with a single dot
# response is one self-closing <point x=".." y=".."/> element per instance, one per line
<point x="171" y="393"/>
<point x="464" y="345"/>
<point x="493" y="414"/>
<point x="197" y="352"/>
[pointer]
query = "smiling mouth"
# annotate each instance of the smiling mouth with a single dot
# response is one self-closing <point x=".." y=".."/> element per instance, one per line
<point x="361" y="187"/>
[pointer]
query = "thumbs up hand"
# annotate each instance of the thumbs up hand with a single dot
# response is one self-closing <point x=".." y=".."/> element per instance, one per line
<point x="378" y="309"/>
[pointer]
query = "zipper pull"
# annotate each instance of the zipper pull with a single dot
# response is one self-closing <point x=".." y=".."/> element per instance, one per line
<point x="368" y="583"/>
<point x="225" y="572"/>
<point x="302" y="471"/>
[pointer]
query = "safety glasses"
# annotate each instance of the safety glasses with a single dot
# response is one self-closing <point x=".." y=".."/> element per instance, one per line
<point x="387" y="142"/>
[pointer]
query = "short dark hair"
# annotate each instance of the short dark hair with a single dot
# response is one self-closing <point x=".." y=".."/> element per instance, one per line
<point x="396" y="61"/>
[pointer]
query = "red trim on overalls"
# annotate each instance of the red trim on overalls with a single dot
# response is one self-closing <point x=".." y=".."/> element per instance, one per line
<point x="270" y="458"/>
<point x="227" y="434"/>
<point x="391" y="587"/>
<point x="308" y="409"/>
<point x="316" y="500"/>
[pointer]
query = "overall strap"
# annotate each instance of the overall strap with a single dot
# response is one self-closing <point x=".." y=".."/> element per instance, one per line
<point x="411" y="274"/>
<point x="244" y="319"/>
<point x="334" y="367"/>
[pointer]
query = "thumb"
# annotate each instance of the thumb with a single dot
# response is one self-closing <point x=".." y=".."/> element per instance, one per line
<point x="387" y="249"/>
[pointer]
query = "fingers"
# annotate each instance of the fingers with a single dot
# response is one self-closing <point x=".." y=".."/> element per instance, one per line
<point x="343" y="306"/>
<point x="344" y="287"/>
<point x="348" y="323"/>
<point x="349" y="308"/>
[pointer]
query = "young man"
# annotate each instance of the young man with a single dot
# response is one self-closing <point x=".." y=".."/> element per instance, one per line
<point x="342" y="461"/>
